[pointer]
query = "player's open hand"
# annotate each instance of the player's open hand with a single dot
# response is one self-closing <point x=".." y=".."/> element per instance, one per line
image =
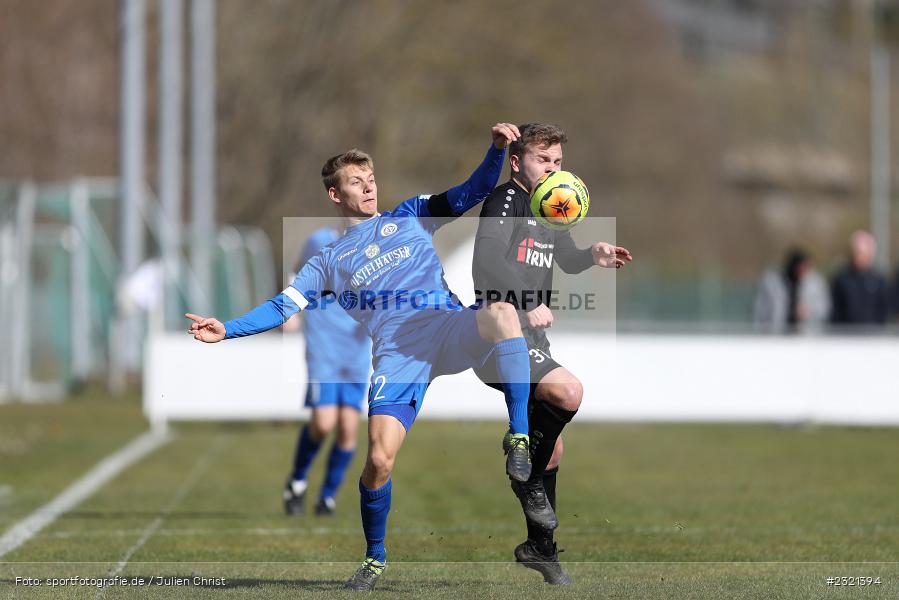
<point x="609" y="256"/>
<point x="206" y="329"/>
<point x="504" y="134"/>
<point x="540" y="317"/>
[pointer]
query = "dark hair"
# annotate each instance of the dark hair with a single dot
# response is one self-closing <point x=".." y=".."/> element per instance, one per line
<point x="330" y="176"/>
<point x="794" y="259"/>
<point x="537" y="134"/>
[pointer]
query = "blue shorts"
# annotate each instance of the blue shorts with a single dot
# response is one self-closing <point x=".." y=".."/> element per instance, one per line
<point x="323" y="394"/>
<point x="435" y="344"/>
<point x="340" y="370"/>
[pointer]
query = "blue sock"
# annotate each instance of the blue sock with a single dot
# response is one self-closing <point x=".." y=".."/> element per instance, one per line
<point x="375" y="505"/>
<point x="338" y="462"/>
<point x="514" y="369"/>
<point x="307" y="448"/>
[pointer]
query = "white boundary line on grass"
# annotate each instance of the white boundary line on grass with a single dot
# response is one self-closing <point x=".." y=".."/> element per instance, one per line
<point x="187" y="485"/>
<point x="76" y="493"/>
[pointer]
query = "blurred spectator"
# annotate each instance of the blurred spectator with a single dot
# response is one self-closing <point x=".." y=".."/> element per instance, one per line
<point x="139" y="297"/>
<point x="794" y="298"/>
<point x="142" y="290"/>
<point x="860" y="292"/>
<point x="894" y="294"/>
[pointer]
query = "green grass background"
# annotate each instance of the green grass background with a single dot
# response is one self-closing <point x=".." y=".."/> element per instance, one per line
<point x="647" y="511"/>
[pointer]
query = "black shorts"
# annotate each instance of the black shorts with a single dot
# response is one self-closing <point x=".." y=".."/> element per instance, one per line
<point x="542" y="361"/>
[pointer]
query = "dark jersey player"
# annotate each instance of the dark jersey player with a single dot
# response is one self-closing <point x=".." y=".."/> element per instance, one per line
<point x="514" y="259"/>
<point x="385" y="273"/>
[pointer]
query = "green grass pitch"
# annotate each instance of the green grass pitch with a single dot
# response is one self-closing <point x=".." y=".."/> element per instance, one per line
<point x="647" y="511"/>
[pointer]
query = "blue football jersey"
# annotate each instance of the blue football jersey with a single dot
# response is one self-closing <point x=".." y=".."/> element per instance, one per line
<point x="337" y="347"/>
<point x="384" y="272"/>
<point x="378" y="268"/>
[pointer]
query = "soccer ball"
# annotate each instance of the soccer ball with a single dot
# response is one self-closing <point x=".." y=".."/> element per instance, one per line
<point x="560" y="200"/>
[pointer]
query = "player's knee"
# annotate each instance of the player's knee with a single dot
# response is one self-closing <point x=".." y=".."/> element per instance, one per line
<point x="381" y="463"/>
<point x="346" y="438"/>
<point x="566" y="396"/>
<point x="506" y="317"/>
<point x="324" y="417"/>
<point x="573" y="395"/>
<point x="320" y="429"/>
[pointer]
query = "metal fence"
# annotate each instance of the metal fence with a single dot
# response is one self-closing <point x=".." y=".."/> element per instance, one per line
<point x="69" y="312"/>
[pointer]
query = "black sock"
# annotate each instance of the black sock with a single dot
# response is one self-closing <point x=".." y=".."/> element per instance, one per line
<point x="546" y="424"/>
<point x="543" y="538"/>
<point x="549" y="484"/>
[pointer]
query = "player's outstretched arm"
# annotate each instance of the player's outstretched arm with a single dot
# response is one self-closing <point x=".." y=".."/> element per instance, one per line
<point x="482" y="181"/>
<point x="276" y="311"/>
<point x="441" y="208"/>
<point x="267" y="315"/>
<point x="206" y="329"/>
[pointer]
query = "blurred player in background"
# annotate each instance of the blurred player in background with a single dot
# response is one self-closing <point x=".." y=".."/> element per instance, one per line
<point x="338" y="361"/>
<point x="507" y="227"/>
<point x="386" y="274"/>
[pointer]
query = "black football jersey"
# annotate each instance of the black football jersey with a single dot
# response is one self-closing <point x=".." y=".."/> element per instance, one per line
<point x="514" y="255"/>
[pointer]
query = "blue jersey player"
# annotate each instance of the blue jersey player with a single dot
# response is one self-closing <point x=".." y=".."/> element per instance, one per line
<point x="338" y="361"/>
<point x="385" y="272"/>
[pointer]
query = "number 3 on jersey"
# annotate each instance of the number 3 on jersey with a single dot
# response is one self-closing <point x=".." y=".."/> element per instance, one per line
<point x="538" y="355"/>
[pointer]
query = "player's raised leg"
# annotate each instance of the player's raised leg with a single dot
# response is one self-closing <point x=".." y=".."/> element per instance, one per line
<point x="498" y="323"/>
<point x="385" y="437"/>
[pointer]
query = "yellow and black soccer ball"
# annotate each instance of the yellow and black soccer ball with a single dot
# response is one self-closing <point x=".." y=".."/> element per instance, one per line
<point x="560" y="200"/>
